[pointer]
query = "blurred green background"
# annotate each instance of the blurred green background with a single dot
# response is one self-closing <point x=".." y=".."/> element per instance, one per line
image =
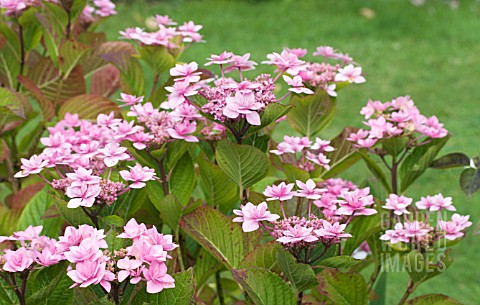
<point x="429" y="51"/>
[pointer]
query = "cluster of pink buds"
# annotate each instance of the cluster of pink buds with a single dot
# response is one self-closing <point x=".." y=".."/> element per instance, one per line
<point x="101" y="8"/>
<point x="397" y="118"/>
<point x="84" y="247"/>
<point x="80" y="151"/>
<point x="167" y="34"/>
<point x="415" y="227"/>
<point x="302" y="154"/>
<point x="325" y="220"/>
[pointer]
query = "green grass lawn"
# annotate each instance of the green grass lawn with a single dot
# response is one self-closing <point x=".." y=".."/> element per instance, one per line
<point x="430" y="53"/>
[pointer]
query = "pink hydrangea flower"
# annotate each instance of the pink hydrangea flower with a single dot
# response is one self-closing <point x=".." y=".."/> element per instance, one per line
<point x="182" y="130"/>
<point x="157" y="277"/>
<point x="164" y="20"/>
<point x="87" y="273"/>
<point x="129" y="267"/>
<point x="334" y="230"/>
<point x="113" y="153"/>
<point x="350" y="74"/>
<point x="285" y="62"/>
<point x="251" y="215"/>
<point x="398" y="204"/>
<point x="416" y="229"/>
<point x="74" y="236"/>
<point x="133" y="230"/>
<point x="308" y="190"/>
<point x="88" y="250"/>
<point x="280" y="192"/>
<point x="324" y="51"/>
<point x="82" y="176"/>
<point x="241" y="63"/>
<point x="13" y="7"/>
<point x="322" y="145"/>
<point x="442" y="203"/>
<point x="47" y="257"/>
<point x="164" y="240"/>
<point x="179" y="93"/>
<point x="461" y="221"/>
<point x="186" y="72"/>
<point x="139" y="175"/>
<point x="319" y="159"/>
<point x="356" y="202"/>
<point x="297" y="234"/>
<point x="297" y="85"/>
<point x="83" y="195"/>
<point x="222" y="59"/>
<point x="243" y="104"/>
<point x="395" y="236"/>
<point x="30" y="233"/>
<point x="451" y="229"/>
<point x="34" y="165"/>
<point x="18" y="260"/>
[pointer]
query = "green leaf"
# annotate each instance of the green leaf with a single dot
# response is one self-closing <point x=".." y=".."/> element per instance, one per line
<point x="311" y="113"/>
<point x="271" y="114"/>
<point x="49" y="286"/>
<point x="418" y="161"/>
<point x="205" y="266"/>
<point x="180" y="295"/>
<point x="117" y="53"/>
<point x="394" y="146"/>
<point x="259" y="141"/>
<point x="105" y="81"/>
<point x="75" y="217"/>
<point x="33" y="214"/>
<point x="113" y="220"/>
<point x="31" y="28"/>
<point x="342" y="261"/>
<point x="14" y="108"/>
<point x="51" y="82"/>
<point x="113" y="242"/>
<point x="46" y="106"/>
<point x="361" y="228"/>
<point x="263" y="256"/>
<point x="301" y="276"/>
<point x="220" y="190"/>
<point x="451" y="160"/>
<point x="433" y="299"/>
<point x="89" y="106"/>
<point x="182" y="180"/>
<point x="157" y="57"/>
<point x="132" y="79"/>
<point x="376" y="170"/>
<point x="470" y="181"/>
<point x="421" y="268"/>
<point x="244" y="164"/>
<point x="343" y="288"/>
<point x="217" y="234"/>
<point x="170" y="211"/>
<point x="265" y="287"/>
<point x="71" y="54"/>
<point x="7" y="295"/>
<point x="294" y="173"/>
<point x="77" y="8"/>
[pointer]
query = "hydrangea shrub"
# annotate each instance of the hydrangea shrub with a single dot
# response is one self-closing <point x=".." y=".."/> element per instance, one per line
<point x="181" y="195"/>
